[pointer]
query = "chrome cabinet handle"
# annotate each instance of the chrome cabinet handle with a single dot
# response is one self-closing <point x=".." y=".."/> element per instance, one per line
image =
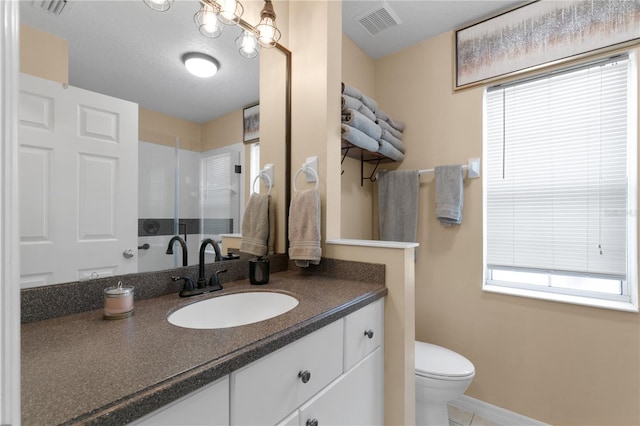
<point x="369" y="333"/>
<point x="312" y="422"/>
<point x="305" y="376"/>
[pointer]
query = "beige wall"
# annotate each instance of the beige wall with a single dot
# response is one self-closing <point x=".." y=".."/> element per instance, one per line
<point x="38" y="48"/>
<point x="358" y="70"/>
<point x="156" y="127"/>
<point x="222" y="131"/>
<point x="557" y="363"/>
<point x="315" y="40"/>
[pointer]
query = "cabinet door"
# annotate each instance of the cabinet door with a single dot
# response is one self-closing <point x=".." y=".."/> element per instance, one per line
<point x="356" y="399"/>
<point x="363" y="332"/>
<point x="207" y="406"/>
<point x="267" y="390"/>
<point x="291" y="420"/>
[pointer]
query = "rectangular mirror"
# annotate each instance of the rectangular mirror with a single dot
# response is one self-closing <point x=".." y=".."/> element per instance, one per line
<point x="187" y="138"/>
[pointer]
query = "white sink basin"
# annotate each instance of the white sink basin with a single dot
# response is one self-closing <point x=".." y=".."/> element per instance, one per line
<point x="232" y="310"/>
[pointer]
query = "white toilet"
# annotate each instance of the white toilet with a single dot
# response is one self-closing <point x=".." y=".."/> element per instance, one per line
<point x="442" y="375"/>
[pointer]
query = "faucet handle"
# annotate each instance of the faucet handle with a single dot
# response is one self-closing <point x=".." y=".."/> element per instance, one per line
<point x="215" y="280"/>
<point x="188" y="283"/>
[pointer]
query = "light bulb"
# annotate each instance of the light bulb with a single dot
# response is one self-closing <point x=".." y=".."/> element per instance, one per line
<point x="266" y="31"/>
<point x="230" y="11"/>
<point x="159" y="5"/>
<point x="269" y="34"/>
<point x="206" y="20"/>
<point x="247" y="44"/>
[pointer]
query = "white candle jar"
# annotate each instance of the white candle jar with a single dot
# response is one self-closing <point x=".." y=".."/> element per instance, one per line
<point x="118" y="302"/>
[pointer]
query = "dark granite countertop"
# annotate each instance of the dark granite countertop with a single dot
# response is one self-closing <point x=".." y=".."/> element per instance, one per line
<point x="81" y="369"/>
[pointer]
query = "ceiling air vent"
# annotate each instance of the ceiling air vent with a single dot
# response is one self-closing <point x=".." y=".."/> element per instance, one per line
<point x="378" y="19"/>
<point x="50" y="6"/>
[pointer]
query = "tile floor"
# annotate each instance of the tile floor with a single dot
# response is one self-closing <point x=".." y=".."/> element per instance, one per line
<point x="461" y="417"/>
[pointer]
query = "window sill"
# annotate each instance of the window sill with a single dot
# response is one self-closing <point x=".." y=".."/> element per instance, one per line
<point x="563" y="298"/>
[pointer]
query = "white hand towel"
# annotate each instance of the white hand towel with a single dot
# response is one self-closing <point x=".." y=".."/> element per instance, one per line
<point x="304" y="228"/>
<point x="449" y="194"/>
<point x="255" y="225"/>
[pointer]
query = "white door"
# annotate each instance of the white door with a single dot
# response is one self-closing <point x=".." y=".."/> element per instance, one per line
<point x="78" y="183"/>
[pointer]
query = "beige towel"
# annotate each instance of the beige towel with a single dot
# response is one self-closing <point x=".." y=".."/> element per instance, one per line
<point x="272" y="227"/>
<point x="304" y="228"/>
<point x="255" y="225"/>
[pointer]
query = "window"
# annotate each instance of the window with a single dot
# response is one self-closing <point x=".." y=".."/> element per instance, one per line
<point x="560" y="188"/>
<point x="216" y="184"/>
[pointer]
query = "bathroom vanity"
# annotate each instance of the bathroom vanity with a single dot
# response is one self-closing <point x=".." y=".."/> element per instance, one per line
<point x="319" y="363"/>
<point x="306" y="381"/>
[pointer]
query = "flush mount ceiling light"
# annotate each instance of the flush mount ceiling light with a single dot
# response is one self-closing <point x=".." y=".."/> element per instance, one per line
<point x="200" y="65"/>
<point x="159" y="5"/>
<point x="229" y="12"/>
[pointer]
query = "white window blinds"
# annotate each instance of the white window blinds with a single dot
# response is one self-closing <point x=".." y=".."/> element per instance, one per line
<point x="556" y="166"/>
<point x="216" y="171"/>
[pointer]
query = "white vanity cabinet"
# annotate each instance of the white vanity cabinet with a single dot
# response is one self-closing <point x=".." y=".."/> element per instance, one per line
<point x="206" y="406"/>
<point x="265" y="391"/>
<point x="355" y="399"/>
<point x="333" y="376"/>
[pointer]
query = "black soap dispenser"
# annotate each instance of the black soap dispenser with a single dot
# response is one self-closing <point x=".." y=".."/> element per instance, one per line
<point x="259" y="270"/>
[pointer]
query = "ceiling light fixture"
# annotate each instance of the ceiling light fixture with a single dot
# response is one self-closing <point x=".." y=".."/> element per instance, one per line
<point x="247" y="44"/>
<point x="200" y="65"/>
<point x="159" y="5"/>
<point x="229" y="12"/>
<point x="268" y="32"/>
<point x="206" y="20"/>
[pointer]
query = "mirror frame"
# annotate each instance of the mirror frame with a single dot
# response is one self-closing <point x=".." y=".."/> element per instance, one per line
<point x="287" y="174"/>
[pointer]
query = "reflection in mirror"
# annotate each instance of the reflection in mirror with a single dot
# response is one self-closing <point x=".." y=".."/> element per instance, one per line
<point x="189" y="174"/>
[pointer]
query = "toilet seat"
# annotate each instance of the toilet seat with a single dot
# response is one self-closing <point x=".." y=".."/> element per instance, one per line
<point x="436" y="362"/>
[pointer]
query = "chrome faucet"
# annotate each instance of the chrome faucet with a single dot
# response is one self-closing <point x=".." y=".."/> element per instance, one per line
<point x="202" y="280"/>
<point x="185" y="260"/>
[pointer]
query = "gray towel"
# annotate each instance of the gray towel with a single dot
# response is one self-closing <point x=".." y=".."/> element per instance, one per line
<point x="355" y="104"/>
<point x="397" y="143"/>
<point x="304" y="228"/>
<point x="386" y="149"/>
<point x="358" y="138"/>
<point x="398" y="205"/>
<point x="386" y="126"/>
<point x="255" y="225"/>
<point x="355" y="93"/>
<point x="398" y="125"/>
<point x="350" y="102"/>
<point x="357" y="120"/>
<point x="449" y="194"/>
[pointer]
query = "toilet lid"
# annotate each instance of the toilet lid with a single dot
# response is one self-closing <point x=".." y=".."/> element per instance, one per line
<point x="433" y="360"/>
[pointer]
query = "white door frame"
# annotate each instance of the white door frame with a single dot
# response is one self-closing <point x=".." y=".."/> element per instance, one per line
<point x="9" y="218"/>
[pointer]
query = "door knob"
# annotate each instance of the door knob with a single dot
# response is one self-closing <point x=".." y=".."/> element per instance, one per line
<point x="312" y="422"/>
<point x="369" y="334"/>
<point x="305" y="376"/>
<point x="127" y="254"/>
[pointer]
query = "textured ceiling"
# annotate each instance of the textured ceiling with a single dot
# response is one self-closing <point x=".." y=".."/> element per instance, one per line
<point x="419" y="20"/>
<point x="124" y="49"/>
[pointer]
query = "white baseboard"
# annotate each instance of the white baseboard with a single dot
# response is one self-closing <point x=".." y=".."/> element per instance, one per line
<point x="493" y="412"/>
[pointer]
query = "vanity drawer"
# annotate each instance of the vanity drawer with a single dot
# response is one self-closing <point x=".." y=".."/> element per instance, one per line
<point x="267" y="390"/>
<point x="363" y="333"/>
<point x="207" y="406"/>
